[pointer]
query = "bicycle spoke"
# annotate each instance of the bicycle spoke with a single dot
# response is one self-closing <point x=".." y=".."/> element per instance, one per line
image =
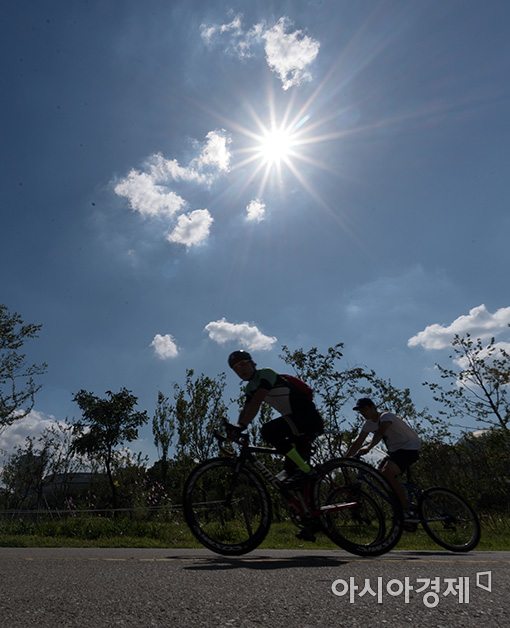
<point x="357" y="508"/>
<point x="227" y="511"/>
<point x="449" y="520"/>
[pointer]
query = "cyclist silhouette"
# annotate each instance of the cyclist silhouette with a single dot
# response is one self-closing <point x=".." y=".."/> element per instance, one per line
<point x="402" y="443"/>
<point x="293" y="432"/>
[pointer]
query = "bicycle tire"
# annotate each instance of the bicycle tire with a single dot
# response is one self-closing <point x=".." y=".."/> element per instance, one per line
<point x="228" y="512"/>
<point x="449" y="520"/>
<point x="368" y="519"/>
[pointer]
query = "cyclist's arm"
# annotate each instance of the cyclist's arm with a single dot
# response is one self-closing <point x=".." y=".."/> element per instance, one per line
<point x="378" y="435"/>
<point x="251" y="407"/>
<point x="356" y="444"/>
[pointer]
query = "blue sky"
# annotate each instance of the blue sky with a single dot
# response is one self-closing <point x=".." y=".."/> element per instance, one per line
<point x="149" y="228"/>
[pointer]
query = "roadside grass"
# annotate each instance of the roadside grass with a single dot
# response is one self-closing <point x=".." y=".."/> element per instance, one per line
<point x="282" y="536"/>
<point x="124" y="532"/>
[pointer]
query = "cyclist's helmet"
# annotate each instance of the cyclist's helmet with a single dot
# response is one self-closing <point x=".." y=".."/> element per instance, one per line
<point x="238" y="356"/>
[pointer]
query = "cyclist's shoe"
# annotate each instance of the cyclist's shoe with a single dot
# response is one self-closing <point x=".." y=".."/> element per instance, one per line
<point x="411" y="521"/>
<point x="308" y="532"/>
<point x="299" y="478"/>
<point x="411" y="516"/>
<point x="306" y="535"/>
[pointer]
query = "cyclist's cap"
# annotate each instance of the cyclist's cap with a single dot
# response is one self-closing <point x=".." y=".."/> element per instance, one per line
<point x="238" y="356"/>
<point x="364" y="402"/>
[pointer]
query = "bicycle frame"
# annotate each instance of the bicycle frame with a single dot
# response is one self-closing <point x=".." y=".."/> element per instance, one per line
<point x="300" y="501"/>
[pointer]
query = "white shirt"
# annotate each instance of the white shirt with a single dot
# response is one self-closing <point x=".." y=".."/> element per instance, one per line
<point x="398" y="436"/>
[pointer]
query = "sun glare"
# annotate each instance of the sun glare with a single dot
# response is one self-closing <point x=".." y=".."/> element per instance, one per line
<point x="279" y="146"/>
<point x="275" y="146"/>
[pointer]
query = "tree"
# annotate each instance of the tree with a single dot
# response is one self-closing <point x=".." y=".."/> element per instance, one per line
<point x="199" y="410"/>
<point x="105" y="426"/>
<point x="17" y="385"/>
<point x="23" y="475"/>
<point x="35" y="462"/>
<point x="479" y="387"/>
<point x="163" y="429"/>
<point x="336" y="389"/>
<point x="333" y="388"/>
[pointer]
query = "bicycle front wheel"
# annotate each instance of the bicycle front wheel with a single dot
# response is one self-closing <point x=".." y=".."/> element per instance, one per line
<point x="227" y="510"/>
<point x="449" y="520"/>
<point x="357" y="508"/>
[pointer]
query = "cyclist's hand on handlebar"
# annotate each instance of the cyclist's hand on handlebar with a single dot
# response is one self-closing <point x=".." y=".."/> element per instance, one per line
<point x="234" y="432"/>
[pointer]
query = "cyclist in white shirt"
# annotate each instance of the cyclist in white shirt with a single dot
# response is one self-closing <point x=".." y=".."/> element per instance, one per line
<point x="402" y="443"/>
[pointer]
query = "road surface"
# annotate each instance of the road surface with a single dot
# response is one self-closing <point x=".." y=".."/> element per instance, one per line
<point x="273" y="588"/>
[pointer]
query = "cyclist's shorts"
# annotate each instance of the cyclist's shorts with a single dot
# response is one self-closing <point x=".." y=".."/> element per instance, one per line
<point x="404" y="458"/>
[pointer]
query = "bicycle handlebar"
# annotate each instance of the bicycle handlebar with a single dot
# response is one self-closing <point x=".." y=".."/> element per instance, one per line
<point x="242" y="440"/>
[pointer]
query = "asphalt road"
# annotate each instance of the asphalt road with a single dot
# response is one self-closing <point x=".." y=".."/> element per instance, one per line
<point x="280" y="588"/>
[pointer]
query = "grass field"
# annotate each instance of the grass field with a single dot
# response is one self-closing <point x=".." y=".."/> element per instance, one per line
<point x="102" y="532"/>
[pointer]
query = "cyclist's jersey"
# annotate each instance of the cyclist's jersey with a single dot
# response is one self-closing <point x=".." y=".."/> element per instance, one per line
<point x="398" y="436"/>
<point x="282" y="396"/>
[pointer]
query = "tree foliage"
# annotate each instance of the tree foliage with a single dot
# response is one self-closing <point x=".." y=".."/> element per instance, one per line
<point x="199" y="411"/>
<point x="17" y="383"/>
<point x="35" y="462"/>
<point x="333" y="387"/>
<point x="106" y="424"/>
<point x="163" y="430"/>
<point x="479" y="387"/>
<point x="476" y="466"/>
<point x="336" y="388"/>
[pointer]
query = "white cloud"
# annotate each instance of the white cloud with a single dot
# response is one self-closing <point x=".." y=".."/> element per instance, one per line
<point x="168" y="170"/>
<point x="288" y="54"/>
<point x="238" y="41"/>
<point x="149" y="193"/>
<point x="214" y="154"/>
<point x="212" y="160"/>
<point x="192" y="228"/>
<point x="207" y="33"/>
<point x="147" y="197"/>
<point x="256" y="210"/>
<point x="244" y="334"/>
<point x="165" y="347"/>
<point x="479" y="323"/>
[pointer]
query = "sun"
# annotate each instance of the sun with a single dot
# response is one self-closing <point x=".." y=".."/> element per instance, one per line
<point x="279" y="146"/>
<point x="275" y="145"/>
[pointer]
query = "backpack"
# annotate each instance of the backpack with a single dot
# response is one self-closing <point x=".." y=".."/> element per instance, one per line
<point x="299" y="385"/>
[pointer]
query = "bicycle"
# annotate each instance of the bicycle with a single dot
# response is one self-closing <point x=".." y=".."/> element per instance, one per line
<point x="228" y="508"/>
<point x="445" y="516"/>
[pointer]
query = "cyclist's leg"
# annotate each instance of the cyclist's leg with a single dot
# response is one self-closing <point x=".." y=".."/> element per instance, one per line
<point x="393" y="466"/>
<point x="282" y="434"/>
<point x="306" y="425"/>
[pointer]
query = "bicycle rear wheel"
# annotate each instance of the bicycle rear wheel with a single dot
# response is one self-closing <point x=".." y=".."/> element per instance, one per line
<point x="449" y="520"/>
<point x="228" y="511"/>
<point x="358" y="509"/>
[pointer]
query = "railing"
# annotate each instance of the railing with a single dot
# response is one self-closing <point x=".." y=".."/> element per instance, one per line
<point x="52" y="513"/>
